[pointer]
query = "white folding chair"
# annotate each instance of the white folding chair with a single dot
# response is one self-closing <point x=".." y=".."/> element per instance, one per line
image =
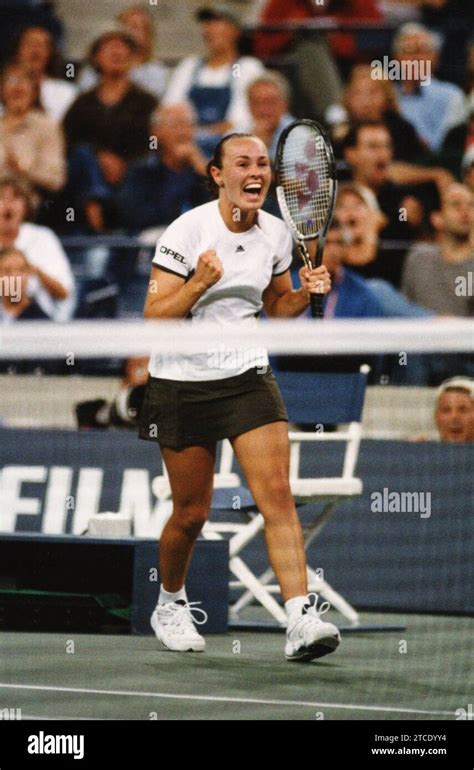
<point x="319" y="400"/>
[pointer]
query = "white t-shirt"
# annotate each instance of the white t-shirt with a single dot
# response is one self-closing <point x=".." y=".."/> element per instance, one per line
<point x="57" y="96"/>
<point x="238" y="75"/>
<point x="249" y="260"/>
<point x="43" y="249"/>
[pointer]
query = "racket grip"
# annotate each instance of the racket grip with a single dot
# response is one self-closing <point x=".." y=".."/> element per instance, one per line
<point x="316" y="302"/>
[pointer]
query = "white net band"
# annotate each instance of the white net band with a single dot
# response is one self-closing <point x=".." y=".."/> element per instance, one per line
<point x="97" y="339"/>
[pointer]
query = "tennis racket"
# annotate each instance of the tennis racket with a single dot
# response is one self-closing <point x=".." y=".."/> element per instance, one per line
<point x="306" y="189"/>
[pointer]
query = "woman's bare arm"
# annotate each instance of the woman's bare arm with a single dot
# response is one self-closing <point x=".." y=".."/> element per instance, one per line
<point x="170" y="296"/>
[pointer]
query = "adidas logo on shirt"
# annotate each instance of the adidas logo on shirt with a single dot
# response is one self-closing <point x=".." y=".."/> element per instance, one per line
<point x="240" y="248"/>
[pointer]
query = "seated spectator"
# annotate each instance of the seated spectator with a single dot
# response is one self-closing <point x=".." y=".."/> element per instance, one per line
<point x="454" y="412"/>
<point x="106" y="129"/>
<point x="394" y="304"/>
<point x="366" y="98"/>
<point x="436" y="275"/>
<point x="375" y="100"/>
<point x="31" y="143"/>
<point x="432" y="106"/>
<point x="14" y="14"/>
<point x="46" y="258"/>
<point x="362" y="220"/>
<point x="216" y="85"/>
<point x="460" y="138"/>
<point x="171" y="180"/>
<point x="146" y="72"/>
<point x="269" y="99"/>
<point x="350" y="296"/>
<point x="458" y="141"/>
<point x="361" y="217"/>
<point x="368" y="151"/>
<point x="453" y="20"/>
<point x="19" y="285"/>
<point x="36" y="50"/>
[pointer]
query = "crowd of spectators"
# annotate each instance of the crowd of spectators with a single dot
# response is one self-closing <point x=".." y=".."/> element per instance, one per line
<point x="118" y="143"/>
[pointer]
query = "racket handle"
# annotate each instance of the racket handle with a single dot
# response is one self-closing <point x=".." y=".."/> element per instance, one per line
<point x="316" y="302"/>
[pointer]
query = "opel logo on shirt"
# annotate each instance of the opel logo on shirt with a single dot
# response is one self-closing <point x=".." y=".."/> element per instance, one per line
<point x="174" y="254"/>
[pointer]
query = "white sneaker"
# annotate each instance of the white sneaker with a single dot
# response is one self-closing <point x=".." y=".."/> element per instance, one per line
<point x="173" y="624"/>
<point x="307" y="636"/>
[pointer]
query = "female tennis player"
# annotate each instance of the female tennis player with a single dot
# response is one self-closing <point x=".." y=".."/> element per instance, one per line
<point x="226" y="261"/>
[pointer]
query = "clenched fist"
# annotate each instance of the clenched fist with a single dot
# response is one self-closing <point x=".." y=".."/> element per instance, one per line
<point x="316" y="281"/>
<point x="209" y="269"/>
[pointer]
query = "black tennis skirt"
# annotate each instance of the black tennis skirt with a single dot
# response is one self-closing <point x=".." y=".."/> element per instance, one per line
<point x="177" y="414"/>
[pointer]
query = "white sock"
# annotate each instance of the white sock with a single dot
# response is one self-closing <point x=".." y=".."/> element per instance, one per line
<point x="166" y="597"/>
<point x="293" y="606"/>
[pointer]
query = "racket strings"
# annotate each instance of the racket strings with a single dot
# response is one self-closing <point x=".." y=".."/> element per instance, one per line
<point x="305" y="176"/>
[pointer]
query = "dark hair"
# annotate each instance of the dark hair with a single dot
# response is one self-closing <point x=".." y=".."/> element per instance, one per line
<point x="352" y="136"/>
<point x="54" y="65"/>
<point x="218" y="158"/>
<point x="112" y="34"/>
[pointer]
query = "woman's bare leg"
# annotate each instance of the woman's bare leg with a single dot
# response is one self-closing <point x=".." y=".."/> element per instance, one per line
<point x="191" y="474"/>
<point x="263" y="454"/>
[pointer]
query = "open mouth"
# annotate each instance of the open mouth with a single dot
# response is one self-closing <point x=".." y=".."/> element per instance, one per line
<point x="253" y="189"/>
